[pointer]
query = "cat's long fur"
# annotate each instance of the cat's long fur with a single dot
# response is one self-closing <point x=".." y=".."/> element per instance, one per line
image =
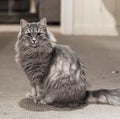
<point x="55" y="71"/>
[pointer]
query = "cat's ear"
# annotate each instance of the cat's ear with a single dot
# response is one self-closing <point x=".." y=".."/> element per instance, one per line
<point x="23" y="23"/>
<point x="43" y="22"/>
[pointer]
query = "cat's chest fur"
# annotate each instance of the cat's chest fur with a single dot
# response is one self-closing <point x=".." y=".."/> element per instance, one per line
<point x="35" y="64"/>
<point x="39" y="59"/>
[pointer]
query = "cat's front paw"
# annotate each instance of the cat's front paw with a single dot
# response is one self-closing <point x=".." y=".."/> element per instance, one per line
<point x="43" y="102"/>
<point x="37" y="100"/>
<point x="29" y="96"/>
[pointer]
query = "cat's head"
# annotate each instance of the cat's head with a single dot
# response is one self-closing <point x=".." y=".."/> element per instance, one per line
<point x="35" y="34"/>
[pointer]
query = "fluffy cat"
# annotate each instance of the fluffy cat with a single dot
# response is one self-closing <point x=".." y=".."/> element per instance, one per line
<point x="55" y="71"/>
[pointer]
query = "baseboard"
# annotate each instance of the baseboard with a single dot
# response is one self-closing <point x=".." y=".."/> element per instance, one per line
<point x="96" y="30"/>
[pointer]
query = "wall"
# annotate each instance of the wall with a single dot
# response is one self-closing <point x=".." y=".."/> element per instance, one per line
<point x="95" y="17"/>
<point x="67" y="15"/>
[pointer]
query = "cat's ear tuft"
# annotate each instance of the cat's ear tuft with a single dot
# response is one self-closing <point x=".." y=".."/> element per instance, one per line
<point x="43" y="22"/>
<point x="23" y="23"/>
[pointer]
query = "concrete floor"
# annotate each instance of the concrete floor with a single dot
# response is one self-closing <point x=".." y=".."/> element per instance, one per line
<point x="101" y="55"/>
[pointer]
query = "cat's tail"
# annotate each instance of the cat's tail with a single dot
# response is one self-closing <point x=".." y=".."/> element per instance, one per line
<point x="103" y="96"/>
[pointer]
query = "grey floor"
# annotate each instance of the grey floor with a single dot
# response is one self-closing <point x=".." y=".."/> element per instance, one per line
<point x="101" y="55"/>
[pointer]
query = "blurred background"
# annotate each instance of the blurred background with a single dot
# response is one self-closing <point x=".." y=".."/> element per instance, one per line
<point x="12" y="10"/>
<point x="72" y="17"/>
<point x="91" y="17"/>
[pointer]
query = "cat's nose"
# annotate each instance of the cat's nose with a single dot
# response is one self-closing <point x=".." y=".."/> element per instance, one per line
<point x="34" y="40"/>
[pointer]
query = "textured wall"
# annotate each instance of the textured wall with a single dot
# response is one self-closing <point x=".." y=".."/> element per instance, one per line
<point x="96" y="17"/>
<point x="91" y="17"/>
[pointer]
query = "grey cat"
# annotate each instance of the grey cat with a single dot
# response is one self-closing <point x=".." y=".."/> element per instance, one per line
<point x="55" y="71"/>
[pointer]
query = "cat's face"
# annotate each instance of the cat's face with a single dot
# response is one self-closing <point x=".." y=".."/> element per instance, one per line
<point x="33" y="34"/>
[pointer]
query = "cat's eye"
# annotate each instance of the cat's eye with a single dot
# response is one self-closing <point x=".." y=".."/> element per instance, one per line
<point x="29" y="34"/>
<point x="38" y="34"/>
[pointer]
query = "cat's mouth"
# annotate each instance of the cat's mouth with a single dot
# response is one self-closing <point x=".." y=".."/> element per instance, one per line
<point x="34" y="45"/>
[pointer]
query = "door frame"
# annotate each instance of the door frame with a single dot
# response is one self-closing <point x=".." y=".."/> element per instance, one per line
<point x="67" y="16"/>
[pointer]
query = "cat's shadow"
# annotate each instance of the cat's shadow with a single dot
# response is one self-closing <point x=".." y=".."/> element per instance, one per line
<point x="29" y="105"/>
